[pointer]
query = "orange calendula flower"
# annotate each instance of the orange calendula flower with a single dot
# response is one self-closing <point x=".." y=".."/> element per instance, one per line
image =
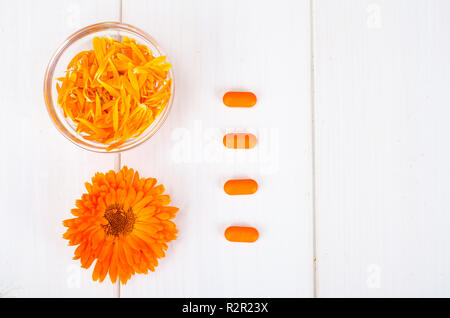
<point x="123" y="223"/>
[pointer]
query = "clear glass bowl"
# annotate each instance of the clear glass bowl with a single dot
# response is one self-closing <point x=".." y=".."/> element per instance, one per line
<point x="82" y="40"/>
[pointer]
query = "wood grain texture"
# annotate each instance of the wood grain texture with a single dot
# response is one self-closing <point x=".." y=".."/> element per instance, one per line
<point x="215" y="47"/>
<point x="41" y="173"/>
<point x="383" y="179"/>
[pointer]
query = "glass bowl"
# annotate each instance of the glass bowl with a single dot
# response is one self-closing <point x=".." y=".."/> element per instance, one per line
<point x="82" y="40"/>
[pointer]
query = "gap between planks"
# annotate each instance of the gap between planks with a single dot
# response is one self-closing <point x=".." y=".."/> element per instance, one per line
<point x="118" y="161"/>
<point x="313" y="148"/>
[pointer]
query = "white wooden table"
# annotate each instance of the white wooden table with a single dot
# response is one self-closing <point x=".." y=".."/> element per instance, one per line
<point x="353" y="159"/>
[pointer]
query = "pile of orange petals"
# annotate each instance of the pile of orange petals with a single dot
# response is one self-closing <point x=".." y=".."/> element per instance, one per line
<point x="115" y="91"/>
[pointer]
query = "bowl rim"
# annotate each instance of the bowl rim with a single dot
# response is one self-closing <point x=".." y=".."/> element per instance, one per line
<point x="49" y="74"/>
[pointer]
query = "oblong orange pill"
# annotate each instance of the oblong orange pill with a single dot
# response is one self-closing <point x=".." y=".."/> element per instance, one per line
<point x="239" y="140"/>
<point x="239" y="99"/>
<point x="241" y="234"/>
<point x="240" y="186"/>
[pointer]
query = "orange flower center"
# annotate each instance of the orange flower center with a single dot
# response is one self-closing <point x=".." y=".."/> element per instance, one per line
<point x="119" y="220"/>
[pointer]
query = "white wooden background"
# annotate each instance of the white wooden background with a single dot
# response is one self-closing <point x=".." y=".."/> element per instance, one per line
<point x="352" y="159"/>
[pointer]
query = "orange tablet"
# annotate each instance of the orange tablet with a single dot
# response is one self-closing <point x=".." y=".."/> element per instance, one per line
<point x="239" y="99"/>
<point x="240" y="186"/>
<point x="241" y="234"/>
<point x="239" y="140"/>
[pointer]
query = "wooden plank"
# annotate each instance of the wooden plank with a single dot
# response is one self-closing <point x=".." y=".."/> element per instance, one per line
<point x="383" y="181"/>
<point x="41" y="173"/>
<point x="216" y="46"/>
